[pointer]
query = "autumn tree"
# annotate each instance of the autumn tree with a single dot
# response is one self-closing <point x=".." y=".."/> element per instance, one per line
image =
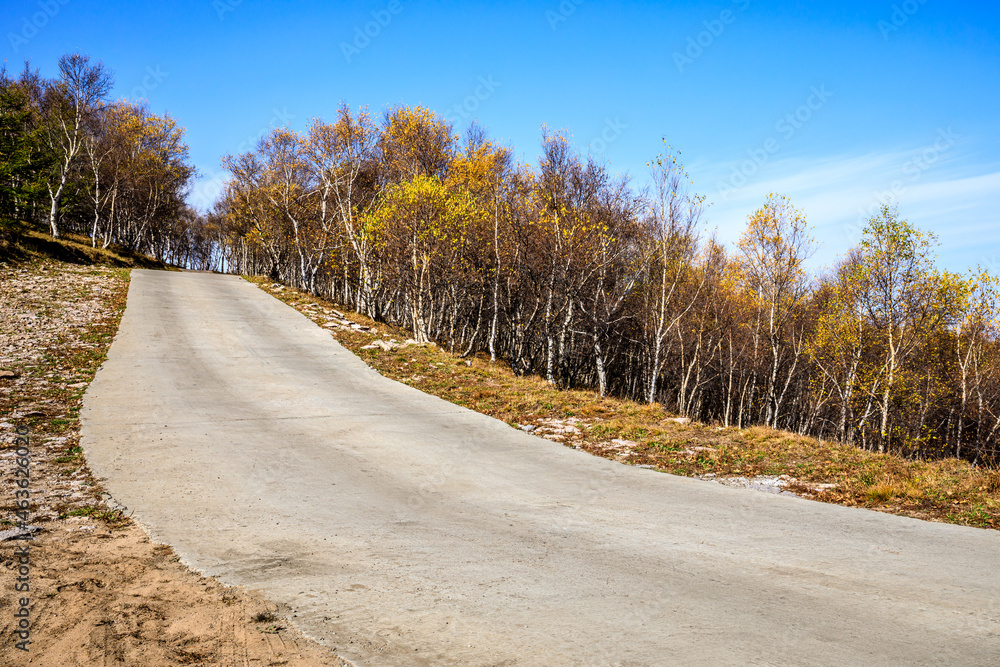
<point x="977" y="333"/>
<point x="250" y="214"/>
<point x="672" y="244"/>
<point x="414" y="142"/>
<point x="569" y="271"/>
<point x="904" y="298"/>
<point x="838" y="343"/>
<point x="616" y="264"/>
<point x="774" y="248"/>
<point x="484" y="172"/>
<point x="341" y="157"/>
<point x="66" y="105"/>
<point x="427" y="221"/>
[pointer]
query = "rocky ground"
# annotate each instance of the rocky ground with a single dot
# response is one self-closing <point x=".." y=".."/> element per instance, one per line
<point x="100" y="592"/>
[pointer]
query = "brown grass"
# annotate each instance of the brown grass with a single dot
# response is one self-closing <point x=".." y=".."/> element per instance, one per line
<point x="25" y="243"/>
<point x="946" y="490"/>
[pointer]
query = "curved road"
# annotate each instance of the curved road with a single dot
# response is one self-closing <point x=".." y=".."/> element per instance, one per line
<point x="403" y="530"/>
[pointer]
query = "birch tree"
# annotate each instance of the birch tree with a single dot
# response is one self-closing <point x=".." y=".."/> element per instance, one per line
<point x="774" y="248"/>
<point x="67" y="102"/>
<point x="904" y="298"/>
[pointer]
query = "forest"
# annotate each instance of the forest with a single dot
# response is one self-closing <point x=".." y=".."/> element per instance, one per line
<point x="74" y="160"/>
<point x="562" y="269"/>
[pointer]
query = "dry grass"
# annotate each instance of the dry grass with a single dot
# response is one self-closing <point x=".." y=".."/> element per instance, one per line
<point x="948" y="490"/>
<point x="26" y="243"/>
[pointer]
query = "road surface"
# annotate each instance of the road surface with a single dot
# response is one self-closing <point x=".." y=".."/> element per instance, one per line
<point x="403" y="530"/>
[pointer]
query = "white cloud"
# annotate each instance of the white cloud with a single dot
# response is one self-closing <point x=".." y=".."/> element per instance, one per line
<point x="207" y="189"/>
<point x="936" y="189"/>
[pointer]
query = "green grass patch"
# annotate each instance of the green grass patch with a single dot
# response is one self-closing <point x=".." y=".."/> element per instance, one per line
<point x="113" y="517"/>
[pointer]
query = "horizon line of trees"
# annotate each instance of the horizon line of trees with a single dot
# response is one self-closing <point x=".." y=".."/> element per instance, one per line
<point x="562" y="269"/>
<point x="570" y="272"/>
<point x="75" y="160"/>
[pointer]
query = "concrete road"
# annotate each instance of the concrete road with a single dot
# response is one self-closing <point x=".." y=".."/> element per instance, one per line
<point x="404" y="530"/>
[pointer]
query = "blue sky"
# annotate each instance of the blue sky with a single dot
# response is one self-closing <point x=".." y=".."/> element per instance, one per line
<point x="835" y="105"/>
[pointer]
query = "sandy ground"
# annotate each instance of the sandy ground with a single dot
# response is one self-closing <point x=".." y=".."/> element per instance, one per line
<point x="101" y="593"/>
<point x="111" y="597"/>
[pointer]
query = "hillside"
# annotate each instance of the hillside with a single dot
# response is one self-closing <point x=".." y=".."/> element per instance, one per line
<point x="947" y="490"/>
<point x="21" y="243"/>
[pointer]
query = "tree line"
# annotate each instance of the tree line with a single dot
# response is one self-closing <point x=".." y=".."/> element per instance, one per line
<point x="569" y="271"/>
<point x="75" y="160"/>
<point x="562" y="269"/>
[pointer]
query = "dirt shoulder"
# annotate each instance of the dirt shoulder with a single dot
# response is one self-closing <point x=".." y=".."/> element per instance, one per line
<point x="100" y="592"/>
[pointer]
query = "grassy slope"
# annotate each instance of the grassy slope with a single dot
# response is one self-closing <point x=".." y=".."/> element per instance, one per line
<point x="949" y="490"/>
<point x="27" y="243"/>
